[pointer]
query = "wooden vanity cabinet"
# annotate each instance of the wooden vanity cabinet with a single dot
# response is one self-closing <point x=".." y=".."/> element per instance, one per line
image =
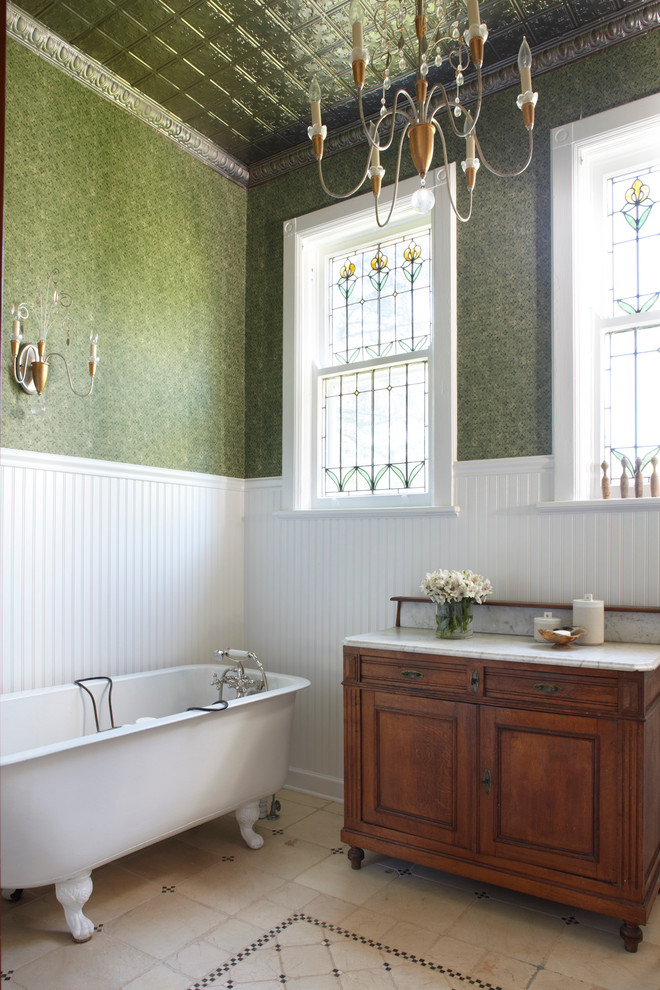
<point x="540" y="778"/>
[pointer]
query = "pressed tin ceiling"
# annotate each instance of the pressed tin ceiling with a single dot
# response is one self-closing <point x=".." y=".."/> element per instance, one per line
<point x="237" y="71"/>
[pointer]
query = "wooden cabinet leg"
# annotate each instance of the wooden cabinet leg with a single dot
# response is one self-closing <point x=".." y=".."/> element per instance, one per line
<point x="356" y="855"/>
<point x="631" y="935"/>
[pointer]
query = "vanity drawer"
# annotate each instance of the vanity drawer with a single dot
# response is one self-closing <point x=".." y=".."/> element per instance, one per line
<point x="553" y="689"/>
<point x="413" y="674"/>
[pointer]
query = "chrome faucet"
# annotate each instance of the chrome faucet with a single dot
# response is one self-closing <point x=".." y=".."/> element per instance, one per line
<point x="235" y="676"/>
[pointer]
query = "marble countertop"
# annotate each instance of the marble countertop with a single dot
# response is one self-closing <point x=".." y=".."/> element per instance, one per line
<point x="495" y="646"/>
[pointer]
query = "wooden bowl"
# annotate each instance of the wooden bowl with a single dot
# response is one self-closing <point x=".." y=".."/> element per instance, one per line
<point x="562" y="637"/>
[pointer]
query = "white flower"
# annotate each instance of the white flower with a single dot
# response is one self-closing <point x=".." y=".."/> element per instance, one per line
<point x="454" y="586"/>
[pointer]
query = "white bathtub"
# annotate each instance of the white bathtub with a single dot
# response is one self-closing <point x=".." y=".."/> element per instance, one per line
<point x="74" y="798"/>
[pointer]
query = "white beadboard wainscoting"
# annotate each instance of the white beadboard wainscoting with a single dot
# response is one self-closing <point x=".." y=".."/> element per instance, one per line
<point x="113" y="568"/>
<point x="312" y="579"/>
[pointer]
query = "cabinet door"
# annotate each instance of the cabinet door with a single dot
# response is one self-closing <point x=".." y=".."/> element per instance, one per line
<point x="550" y="791"/>
<point x="418" y="766"/>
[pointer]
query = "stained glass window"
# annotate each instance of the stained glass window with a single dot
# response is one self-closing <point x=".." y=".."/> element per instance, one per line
<point x="374" y="417"/>
<point x="632" y="351"/>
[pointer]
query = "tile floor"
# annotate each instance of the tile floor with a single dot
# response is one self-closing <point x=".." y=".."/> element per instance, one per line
<point x="203" y="911"/>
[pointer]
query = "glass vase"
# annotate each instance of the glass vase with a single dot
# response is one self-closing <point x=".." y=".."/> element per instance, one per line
<point x="453" y="620"/>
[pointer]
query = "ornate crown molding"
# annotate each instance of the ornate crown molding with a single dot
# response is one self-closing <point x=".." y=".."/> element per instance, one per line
<point x="606" y="33"/>
<point x="21" y="27"/>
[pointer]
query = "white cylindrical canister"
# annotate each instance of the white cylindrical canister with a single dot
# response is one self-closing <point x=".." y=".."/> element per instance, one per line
<point x="545" y="621"/>
<point x="590" y="614"/>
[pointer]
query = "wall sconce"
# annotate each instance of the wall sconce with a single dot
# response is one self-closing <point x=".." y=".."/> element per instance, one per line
<point x="31" y="362"/>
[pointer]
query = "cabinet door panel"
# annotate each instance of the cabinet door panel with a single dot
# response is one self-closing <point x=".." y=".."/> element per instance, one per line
<point x="553" y="796"/>
<point x="418" y="766"/>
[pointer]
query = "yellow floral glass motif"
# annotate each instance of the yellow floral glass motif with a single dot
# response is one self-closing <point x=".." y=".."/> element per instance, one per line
<point x="380" y="271"/>
<point x="347" y="278"/>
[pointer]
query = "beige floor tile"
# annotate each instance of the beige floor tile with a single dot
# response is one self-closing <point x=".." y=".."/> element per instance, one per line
<point x="164" y="924"/>
<point x="322" y="827"/>
<point x="159" y="978"/>
<point x="461" y="957"/>
<point x="314" y="983"/>
<point x="420" y="942"/>
<point x="117" y="890"/>
<point x="263" y="965"/>
<point x="544" y="980"/>
<point x="350" y="954"/>
<point x="287" y="856"/>
<point x="367" y="979"/>
<point x="370" y="924"/>
<point x="228" y="887"/>
<point x="414" y="977"/>
<point x="306" y="960"/>
<point x="597" y="958"/>
<point x="504" y="971"/>
<point x="24" y="940"/>
<point x="287" y="794"/>
<point x="104" y="963"/>
<point x="198" y="958"/>
<point x="328" y="908"/>
<point x="169" y="861"/>
<point x="524" y="935"/>
<point x="335" y="808"/>
<point x="334" y="876"/>
<point x="301" y="933"/>
<point x="292" y="896"/>
<point x="263" y="914"/>
<point x="423" y="904"/>
<point x="234" y="934"/>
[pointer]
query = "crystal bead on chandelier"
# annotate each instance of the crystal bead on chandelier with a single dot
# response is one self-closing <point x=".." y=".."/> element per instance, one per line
<point x="398" y="46"/>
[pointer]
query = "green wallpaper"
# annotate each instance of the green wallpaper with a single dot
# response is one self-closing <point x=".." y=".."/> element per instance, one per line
<point x="180" y="272"/>
<point x="151" y="245"/>
<point x="504" y="254"/>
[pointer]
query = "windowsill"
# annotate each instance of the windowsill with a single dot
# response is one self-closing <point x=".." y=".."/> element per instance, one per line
<point x="602" y="505"/>
<point x="407" y="511"/>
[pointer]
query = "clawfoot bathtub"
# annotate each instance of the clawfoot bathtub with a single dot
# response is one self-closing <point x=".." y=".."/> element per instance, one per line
<point x="74" y="798"/>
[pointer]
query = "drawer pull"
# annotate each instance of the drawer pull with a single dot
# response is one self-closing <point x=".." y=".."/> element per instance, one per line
<point x="412" y="675"/>
<point x="474" y="681"/>
<point x="548" y="688"/>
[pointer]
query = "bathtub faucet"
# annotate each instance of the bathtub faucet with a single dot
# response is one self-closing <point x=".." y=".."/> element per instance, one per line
<point x="236" y="677"/>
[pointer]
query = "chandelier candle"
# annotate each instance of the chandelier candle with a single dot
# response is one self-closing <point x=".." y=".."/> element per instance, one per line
<point x="403" y="28"/>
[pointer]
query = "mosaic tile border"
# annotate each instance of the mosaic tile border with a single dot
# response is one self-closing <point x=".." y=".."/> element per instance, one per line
<point x="212" y="979"/>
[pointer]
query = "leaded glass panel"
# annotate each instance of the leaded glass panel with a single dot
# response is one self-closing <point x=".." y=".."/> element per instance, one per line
<point x="380" y="300"/>
<point x="632" y="378"/>
<point x="634" y="217"/>
<point x="375" y="430"/>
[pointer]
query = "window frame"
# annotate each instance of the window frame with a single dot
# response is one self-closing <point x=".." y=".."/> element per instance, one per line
<point x="308" y="240"/>
<point x="583" y="153"/>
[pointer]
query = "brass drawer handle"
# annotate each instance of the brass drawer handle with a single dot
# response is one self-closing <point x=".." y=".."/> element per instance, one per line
<point x="412" y="675"/>
<point x="548" y="688"/>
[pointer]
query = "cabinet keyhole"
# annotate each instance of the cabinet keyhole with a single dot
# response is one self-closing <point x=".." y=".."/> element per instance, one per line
<point x="486" y="780"/>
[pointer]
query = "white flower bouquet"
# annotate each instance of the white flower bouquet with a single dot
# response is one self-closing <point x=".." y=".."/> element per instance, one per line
<point x="456" y="586"/>
<point x="454" y="593"/>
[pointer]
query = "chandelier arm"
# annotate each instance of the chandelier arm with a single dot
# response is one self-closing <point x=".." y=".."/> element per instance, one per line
<point x="390" y="113"/>
<point x="457" y="213"/>
<point x="396" y="182"/>
<point x="17" y="376"/>
<point x="507" y="175"/>
<point x="342" y="195"/>
<point x="449" y="107"/>
<point x="81" y="395"/>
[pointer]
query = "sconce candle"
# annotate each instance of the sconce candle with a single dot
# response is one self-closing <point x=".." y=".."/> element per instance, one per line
<point x="31" y="362"/>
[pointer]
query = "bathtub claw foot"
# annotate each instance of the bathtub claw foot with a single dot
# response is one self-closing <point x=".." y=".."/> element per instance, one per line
<point x="73" y="895"/>
<point x="246" y="817"/>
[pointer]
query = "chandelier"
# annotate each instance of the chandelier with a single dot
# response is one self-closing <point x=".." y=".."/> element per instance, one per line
<point x="406" y="34"/>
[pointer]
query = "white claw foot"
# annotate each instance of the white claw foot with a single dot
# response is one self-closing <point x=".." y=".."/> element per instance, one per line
<point x="72" y="895"/>
<point x="246" y="817"/>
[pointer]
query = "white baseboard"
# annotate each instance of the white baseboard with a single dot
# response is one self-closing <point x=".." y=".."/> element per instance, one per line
<point x="317" y="784"/>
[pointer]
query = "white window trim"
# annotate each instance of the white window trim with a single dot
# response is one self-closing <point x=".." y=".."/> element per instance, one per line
<point x="576" y="368"/>
<point x="303" y="236"/>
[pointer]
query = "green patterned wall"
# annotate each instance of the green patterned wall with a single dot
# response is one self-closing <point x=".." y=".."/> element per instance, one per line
<point x="151" y="245"/>
<point x="504" y="255"/>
